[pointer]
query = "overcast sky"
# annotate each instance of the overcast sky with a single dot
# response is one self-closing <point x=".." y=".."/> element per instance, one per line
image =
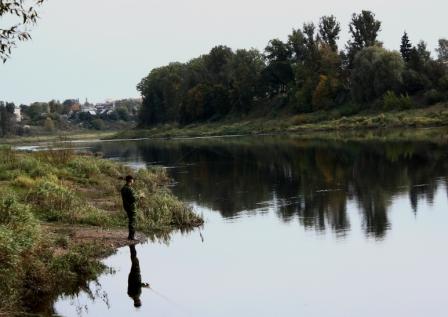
<point x="100" y="49"/>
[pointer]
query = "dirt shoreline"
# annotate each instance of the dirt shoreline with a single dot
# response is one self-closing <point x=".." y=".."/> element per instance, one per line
<point x="109" y="238"/>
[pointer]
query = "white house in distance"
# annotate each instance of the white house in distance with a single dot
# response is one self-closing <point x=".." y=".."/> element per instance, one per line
<point x="88" y="107"/>
<point x="18" y="114"/>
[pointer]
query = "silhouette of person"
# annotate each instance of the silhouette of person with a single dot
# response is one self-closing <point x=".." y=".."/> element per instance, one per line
<point x="129" y="197"/>
<point x="135" y="279"/>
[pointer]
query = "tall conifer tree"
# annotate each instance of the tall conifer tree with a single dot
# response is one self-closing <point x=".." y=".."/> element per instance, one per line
<point x="406" y="47"/>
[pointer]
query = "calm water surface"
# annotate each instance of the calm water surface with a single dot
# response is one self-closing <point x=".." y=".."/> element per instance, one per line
<point x="293" y="228"/>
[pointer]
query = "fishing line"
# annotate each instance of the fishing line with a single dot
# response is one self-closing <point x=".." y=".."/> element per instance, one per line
<point x="178" y="306"/>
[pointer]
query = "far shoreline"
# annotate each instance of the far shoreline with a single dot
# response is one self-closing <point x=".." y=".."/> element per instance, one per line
<point x="411" y="123"/>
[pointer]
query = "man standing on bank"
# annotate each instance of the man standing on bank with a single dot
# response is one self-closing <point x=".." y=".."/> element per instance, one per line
<point x="129" y="197"/>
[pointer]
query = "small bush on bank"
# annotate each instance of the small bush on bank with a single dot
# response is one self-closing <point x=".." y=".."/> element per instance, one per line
<point x="157" y="208"/>
<point x="98" y="124"/>
<point x="61" y="155"/>
<point x="25" y="181"/>
<point x="8" y="175"/>
<point x="34" y="167"/>
<point x="109" y="168"/>
<point x="19" y="233"/>
<point x="393" y="102"/>
<point x="348" y="109"/>
<point x="55" y="200"/>
<point x="433" y="96"/>
<point x="162" y="211"/>
<point x="150" y="180"/>
<point x="83" y="167"/>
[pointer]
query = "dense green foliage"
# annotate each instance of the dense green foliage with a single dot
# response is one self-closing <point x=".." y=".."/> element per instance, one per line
<point x="375" y="71"/>
<point x="40" y="118"/>
<point x="7" y="118"/>
<point x="306" y="73"/>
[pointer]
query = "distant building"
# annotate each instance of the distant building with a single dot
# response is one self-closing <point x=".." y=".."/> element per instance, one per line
<point x="105" y="107"/>
<point x="88" y="107"/>
<point x="72" y="105"/>
<point x="18" y="114"/>
<point x="75" y="107"/>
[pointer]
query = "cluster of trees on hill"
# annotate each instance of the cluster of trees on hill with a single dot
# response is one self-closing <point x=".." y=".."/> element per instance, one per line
<point x="7" y="118"/>
<point x="308" y="72"/>
<point x="55" y="115"/>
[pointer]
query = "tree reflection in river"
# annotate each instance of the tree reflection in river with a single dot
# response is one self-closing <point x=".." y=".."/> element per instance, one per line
<point x="309" y="180"/>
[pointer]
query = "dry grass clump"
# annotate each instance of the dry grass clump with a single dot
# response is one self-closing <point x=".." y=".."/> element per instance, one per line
<point x="25" y="181"/>
<point x="161" y="212"/>
<point x="157" y="208"/>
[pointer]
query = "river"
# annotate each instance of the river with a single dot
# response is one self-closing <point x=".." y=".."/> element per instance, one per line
<point x="294" y="227"/>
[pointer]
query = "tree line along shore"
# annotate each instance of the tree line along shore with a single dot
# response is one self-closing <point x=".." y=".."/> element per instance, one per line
<point x="60" y="213"/>
<point x="304" y="83"/>
<point x="307" y="77"/>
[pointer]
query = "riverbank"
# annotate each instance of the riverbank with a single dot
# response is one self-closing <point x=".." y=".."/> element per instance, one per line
<point x="60" y="213"/>
<point x="313" y="123"/>
<point x="57" y="136"/>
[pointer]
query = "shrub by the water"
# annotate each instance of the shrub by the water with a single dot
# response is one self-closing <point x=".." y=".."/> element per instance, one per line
<point x="19" y="234"/>
<point x="25" y="181"/>
<point x="393" y="102"/>
<point x="433" y="96"/>
<point x="83" y="167"/>
<point x="161" y="212"/>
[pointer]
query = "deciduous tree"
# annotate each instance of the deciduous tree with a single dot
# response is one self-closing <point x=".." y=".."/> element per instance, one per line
<point x="375" y="71"/>
<point x="277" y="51"/>
<point x="7" y="118"/>
<point x="22" y="14"/>
<point x="329" y="29"/>
<point x="364" y="30"/>
<point x="442" y="50"/>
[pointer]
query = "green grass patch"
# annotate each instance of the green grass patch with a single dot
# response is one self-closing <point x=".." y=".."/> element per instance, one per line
<point x="345" y="118"/>
<point x="63" y="188"/>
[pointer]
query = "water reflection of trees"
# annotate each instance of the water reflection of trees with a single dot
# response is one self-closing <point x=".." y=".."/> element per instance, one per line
<point x="311" y="181"/>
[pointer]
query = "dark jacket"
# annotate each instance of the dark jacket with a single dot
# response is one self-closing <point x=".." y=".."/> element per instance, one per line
<point x="129" y="198"/>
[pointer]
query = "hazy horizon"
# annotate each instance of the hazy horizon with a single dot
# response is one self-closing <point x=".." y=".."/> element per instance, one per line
<point x="101" y="49"/>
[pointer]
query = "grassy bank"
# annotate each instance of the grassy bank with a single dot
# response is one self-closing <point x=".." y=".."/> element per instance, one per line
<point x="55" y="137"/>
<point x="61" y="212"/>
<point x="339" y="120"/>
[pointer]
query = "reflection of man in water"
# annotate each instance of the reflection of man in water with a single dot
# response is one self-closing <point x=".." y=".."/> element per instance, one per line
<point x="135" y="279"/>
